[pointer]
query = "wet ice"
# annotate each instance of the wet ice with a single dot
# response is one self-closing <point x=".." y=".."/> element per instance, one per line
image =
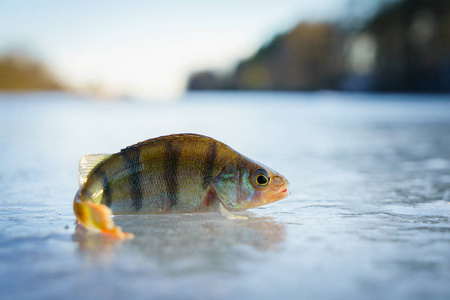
<point x="368" y="216"/>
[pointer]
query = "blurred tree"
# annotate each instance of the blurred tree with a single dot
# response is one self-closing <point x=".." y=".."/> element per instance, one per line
<point x="405" y="46"/>
<point x="413" y="46"/>
<point x="306" y="58"/>
<point x="19" y="72"/>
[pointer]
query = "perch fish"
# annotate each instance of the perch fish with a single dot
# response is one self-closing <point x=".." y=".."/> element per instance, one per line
<point x="180" y="173"/>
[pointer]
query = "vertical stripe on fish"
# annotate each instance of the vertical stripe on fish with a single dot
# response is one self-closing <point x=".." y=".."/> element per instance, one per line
<point x="107" y="196"/>
<point x="171" y="173"/>
<point x="209" y="164"/>
<point x="132" y="163"/>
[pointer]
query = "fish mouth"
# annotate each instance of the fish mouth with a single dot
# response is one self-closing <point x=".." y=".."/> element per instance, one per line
<point x="281" y="193"/>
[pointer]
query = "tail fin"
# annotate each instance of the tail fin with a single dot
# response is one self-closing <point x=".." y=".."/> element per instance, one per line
<point x="98" y="217"/>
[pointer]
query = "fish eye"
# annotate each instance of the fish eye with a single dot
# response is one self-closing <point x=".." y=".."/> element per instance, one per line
<point x="262" y="178"/>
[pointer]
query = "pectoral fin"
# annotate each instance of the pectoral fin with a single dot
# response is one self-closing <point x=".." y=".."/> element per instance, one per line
<point x="226" y="213"/>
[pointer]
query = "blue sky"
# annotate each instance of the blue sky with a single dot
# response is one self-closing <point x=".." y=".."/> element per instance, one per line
<point x="148" y="48"/>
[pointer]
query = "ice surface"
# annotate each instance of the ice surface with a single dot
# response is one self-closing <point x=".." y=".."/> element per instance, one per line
<point x="368" y="216"/>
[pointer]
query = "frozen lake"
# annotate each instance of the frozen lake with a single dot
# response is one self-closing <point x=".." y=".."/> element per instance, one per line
<point x="368" y="216"/>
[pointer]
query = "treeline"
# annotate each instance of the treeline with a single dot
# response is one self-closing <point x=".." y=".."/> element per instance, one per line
<point x="405" y="47"/>
<point x="19" y="72"/>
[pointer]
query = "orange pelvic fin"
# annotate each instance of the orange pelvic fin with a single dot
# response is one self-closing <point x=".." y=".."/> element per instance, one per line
<point x="98" y="217"/>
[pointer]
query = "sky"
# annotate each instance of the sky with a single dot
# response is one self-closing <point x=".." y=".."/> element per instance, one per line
<point x="147" y="49"/>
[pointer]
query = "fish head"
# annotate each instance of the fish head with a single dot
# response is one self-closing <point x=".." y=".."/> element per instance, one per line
<point x="249" y="185"/>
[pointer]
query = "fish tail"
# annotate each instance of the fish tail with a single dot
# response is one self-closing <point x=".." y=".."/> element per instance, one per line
<point x="98" y="217"/>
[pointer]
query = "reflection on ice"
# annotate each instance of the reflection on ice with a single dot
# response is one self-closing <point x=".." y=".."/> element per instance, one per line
<point x="206" y="238"/>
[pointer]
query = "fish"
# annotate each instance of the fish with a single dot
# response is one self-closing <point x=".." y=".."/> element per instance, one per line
<point x="178" y="173"/>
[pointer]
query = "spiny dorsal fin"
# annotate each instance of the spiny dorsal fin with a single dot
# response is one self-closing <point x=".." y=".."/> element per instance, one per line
<point x="172" y="137"/>
<point x="87" y="164"/>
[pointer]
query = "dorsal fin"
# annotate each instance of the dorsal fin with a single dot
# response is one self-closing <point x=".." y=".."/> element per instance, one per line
<point x="87" y="164"/>
<point x="178" y="137"/>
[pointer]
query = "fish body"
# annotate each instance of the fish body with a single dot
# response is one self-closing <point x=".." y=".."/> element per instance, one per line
<point x="182" y="173"/>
